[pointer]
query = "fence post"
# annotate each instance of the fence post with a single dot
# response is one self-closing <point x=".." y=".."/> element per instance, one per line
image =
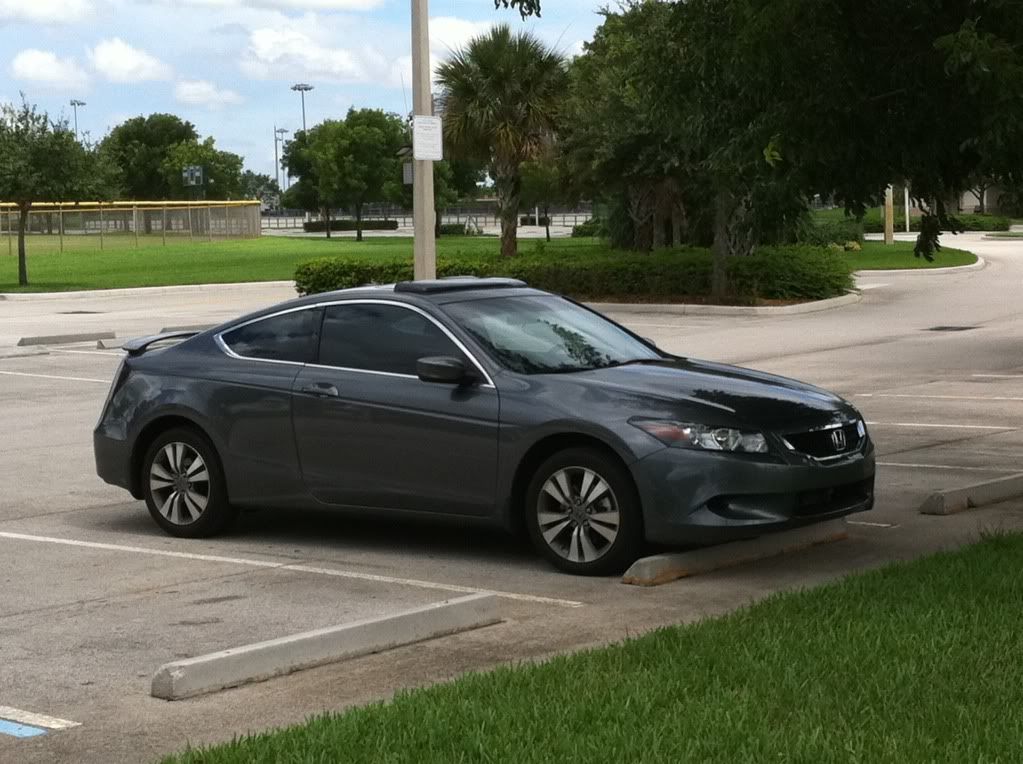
<point x="10" y="237"/>
<point x="209" y="222"/>
<point x="60" y="226"/>
<point x="163" y="226"/>
<point x="190" y="234"/>
<point x="101" y="225"/>
<point x="135" y="221"/>
<point x="227" y="220"/>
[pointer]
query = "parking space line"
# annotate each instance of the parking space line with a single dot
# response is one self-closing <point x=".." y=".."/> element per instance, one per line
<point x="36" y="720"/>
<point x="299" y="568"/>
<point x="942" y="426"/>
<point x="949" y="467"/>
<point x="13" y="729"/>
<point x="998" y="376"/>
<point x="53" y="376"/>
<point x="870" y="525"/>
<point x="943" y="397"/>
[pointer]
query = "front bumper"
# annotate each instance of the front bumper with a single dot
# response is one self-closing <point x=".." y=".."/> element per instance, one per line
<point x="692" y="497"/>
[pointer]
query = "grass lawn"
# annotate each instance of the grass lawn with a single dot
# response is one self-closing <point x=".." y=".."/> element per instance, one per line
<point x="271" y="258"/>
<point x="917" y="662"/>
<point x="899" y="256"/>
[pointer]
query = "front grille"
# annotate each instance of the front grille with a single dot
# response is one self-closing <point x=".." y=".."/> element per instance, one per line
<point x="826" y="444"/>
<point x="829" y="500"/>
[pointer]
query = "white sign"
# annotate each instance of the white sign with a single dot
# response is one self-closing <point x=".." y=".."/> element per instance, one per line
<point x="427" y="139"/>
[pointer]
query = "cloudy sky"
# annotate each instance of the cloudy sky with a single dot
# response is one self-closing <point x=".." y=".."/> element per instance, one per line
<point x="227" y="65"/>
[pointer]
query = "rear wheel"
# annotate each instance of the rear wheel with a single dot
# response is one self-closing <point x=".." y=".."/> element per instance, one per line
<point x="583" y="514"/>
<point x="184" y="485"/>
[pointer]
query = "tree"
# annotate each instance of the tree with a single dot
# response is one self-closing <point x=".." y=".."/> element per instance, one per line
<point x="41" y="160"/>
<point x="140" y="146"/>
<point x="452" y="180"/>
<point x="304" y="193"/>
<point x="500" y="101"/>
<point x="542" y="186"/>
<point x="260" y="186"/>
<point x="222" y="170"/>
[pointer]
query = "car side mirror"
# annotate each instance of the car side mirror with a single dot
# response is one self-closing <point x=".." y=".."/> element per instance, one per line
<point x="442" y="369"/>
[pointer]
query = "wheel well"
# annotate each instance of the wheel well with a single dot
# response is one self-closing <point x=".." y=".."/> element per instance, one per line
<point x="540" y="452"/>
<point x="149" y="433"/>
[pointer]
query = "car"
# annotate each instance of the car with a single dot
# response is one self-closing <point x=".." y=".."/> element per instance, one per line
<point x="478" y="399"/>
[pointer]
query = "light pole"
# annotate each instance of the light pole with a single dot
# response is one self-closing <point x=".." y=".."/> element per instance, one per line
<point x="279" y="133"/>
<point x="424" y="245"/>
<point x="302" y="88"/>
<point x="75" y="103"/>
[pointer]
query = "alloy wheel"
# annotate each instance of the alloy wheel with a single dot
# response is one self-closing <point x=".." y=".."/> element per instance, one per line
<point x="578" y="514"/>
<point x="180" y="483"/>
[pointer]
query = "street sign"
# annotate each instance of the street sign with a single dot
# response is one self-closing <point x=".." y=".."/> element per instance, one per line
<point x="427" y="139"/>
<point x="192" y="175"/>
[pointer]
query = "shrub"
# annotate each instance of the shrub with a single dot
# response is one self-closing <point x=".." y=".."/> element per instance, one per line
<point x="873" y="222"/>
<point x="319" y="226"/>
<point x="531" y="220"/>
<point x="820" y="232"/>
<point x="592" y="227"/>
<point x="782" y="273"/>
<point x="453" y="229"/>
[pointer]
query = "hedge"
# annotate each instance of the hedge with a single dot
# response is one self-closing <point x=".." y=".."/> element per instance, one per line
<point x="531" y="220"/>
<point x="772" y="273"/>
<point x="318" y="226"/>
<point x="821" y="232"/>
<point x="873" y="222"/>
<point x="592" y="227"/>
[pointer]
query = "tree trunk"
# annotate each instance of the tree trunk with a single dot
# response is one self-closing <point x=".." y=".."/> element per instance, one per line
<point x="678" y="224"/>
<point x="326" y="220"/>
<point x="436" y="223"/>
<point x="659" y="219"/>
<point x="547" y="221"/>
<point x="22" y="261"/>
<point x="509" y="187"/>
<point x="724" y="207"/>
<point x="982" y="199"/>
<point x="358" y="222"/>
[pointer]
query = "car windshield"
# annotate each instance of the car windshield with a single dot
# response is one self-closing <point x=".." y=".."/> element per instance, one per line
<point x="547" y="335"/>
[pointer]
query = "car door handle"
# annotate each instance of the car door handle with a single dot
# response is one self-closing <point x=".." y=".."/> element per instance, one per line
<point x="321" y="390"/>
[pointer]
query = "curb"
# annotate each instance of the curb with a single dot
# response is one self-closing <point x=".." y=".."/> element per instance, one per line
<point x="140" y="291"/>
<point x="684" y="309"/>
<point x="62" y="339"/>
<point x="980" y="264"/>
<point x="264" y="660"/>
<point x="191" y="328"/>
<point x="663" y="568"/>
<point x="954" y="500"/>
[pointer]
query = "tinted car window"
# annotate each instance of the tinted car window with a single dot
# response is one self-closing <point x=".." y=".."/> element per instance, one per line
<point x="287" y="337"/>
<point x="546" y="334"/>
<point x="380" y="338"/>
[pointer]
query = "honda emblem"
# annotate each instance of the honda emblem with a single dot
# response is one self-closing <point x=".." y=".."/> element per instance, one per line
<point x="838" y="439"/>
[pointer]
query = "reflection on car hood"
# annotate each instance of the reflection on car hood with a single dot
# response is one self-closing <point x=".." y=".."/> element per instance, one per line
<point x="731" y="392"/>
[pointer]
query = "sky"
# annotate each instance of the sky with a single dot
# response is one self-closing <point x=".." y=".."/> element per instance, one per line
<point x="227" y="65"/>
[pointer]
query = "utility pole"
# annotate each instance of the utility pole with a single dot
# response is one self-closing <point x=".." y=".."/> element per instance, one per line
<point x="279" y="133"/>
<point x="906" y="195"/>
<point x="424" y="245"/>
<point x="75" y="103"/>
<point x="889" y="216"/>
<point x="302" y="89"/>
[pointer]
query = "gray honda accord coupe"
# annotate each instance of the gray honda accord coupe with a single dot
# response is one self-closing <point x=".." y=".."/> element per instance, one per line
<point x="478" y="399"/>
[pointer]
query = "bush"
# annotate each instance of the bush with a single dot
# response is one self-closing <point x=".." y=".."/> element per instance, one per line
<point x="452" y="229"/>
<point x="531" y="220"/>
<point x="873" y="222"/>
<point x="774" y="273"/>
<point x="820" y="232"/>
<point x="592" y="227"/>
<point x="319" y="226"/>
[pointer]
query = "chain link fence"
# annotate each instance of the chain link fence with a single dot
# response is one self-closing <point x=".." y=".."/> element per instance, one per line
<point x="92" y="225"/>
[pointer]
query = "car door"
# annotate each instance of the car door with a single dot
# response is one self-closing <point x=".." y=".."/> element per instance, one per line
<point x="370" y="433"/>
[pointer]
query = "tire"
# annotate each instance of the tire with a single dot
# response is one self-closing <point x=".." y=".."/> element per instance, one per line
<point x="170" y="465"/>
<point x="577" y="533"/>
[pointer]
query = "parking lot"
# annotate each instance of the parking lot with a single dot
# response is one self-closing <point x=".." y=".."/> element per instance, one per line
<point x="96" y="597"/>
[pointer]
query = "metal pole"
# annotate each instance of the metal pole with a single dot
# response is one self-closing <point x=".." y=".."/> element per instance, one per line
<point x="60" y="226"/>
<point x="277" y="162"/>
<point x="209" y="223"/>
<point x="163" y="226"/>
<point x="227" y="220"/>
<point x="906" y="190"/>
<point x="424" y="246"/>
<point x="10" y="236"/>
<point x="101" y="225"/>
<point x="135" y="221"/>
<point x="190" y="235"/>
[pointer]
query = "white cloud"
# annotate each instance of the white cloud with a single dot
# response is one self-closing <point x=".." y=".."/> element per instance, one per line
<point x="45" y="11"/>
<point x="120" y="62"/>
<point x="295" y="5"/>
<point x="448" y="33"/>
<point x="206" y="94"/>
<point x="46" y="69"/>
<point x="290" y="52"/>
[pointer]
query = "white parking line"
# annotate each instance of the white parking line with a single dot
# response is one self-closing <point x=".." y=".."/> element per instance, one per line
<point x="943" y="397"/>
<point x="942" y="426"/>
<point x="53" y="376"/>
<point x="292" y="567"/>
<point x="870" y="525"/>
<point x="998" y="376"/>
<point x="948" y="467"/>
<point x="36" y="720"/>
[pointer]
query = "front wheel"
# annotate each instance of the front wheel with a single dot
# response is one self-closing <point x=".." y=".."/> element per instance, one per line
<point x="184" y="485"/>
<point x="583" y="514"/>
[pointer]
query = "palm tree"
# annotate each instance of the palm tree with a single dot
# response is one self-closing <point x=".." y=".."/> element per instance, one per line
<point x="500" y="102"/>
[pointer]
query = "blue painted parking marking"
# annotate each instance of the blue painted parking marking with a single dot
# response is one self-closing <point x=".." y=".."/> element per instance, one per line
<point x="19" y="730"/>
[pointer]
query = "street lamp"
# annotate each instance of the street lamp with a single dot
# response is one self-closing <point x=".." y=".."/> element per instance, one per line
<point x="302" y="88"/>
<point x="75" y="103"/>
<point x="279" y="133"/>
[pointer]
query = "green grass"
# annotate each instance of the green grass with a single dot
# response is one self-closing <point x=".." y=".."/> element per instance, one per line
<point x="899" y="256"/>
<point x="917" y="662"/>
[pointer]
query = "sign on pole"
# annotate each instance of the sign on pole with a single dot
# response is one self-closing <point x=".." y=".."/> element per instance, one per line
<point x="427" y="139"/>
<point x="192" y="175"/>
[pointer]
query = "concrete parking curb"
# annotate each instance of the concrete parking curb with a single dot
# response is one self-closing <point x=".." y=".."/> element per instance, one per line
<point x="63" y="339"/>
<point x="981" y="263"/>
<point x="141" y="291"/>
<point x="264" y="660"/>
<point x="684" y="309"/>
<point x="953" y="500"/>
<point x="663" y="568"/>
<point x="188" y="328"/>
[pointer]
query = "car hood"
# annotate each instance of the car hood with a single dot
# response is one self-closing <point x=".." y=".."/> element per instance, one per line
<point x="722" y="394"/>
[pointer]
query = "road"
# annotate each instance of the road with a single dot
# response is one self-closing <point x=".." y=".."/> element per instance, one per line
<point x="94" y="598"/>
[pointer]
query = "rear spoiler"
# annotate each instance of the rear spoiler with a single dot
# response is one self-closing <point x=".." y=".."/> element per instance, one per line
<point x="139" y="345"/>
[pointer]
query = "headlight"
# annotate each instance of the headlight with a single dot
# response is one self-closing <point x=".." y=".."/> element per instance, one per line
<point x="703" y="437"/>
